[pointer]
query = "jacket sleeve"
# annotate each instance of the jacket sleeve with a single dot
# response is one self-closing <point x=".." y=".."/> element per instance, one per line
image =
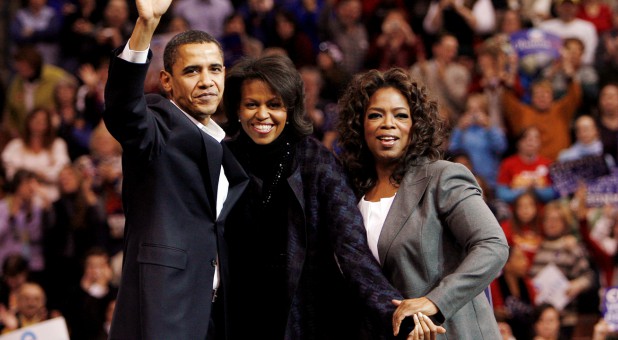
<point x="464" y="213"/>
<point x="126" y="113"/>
<point x="349" y="241"/>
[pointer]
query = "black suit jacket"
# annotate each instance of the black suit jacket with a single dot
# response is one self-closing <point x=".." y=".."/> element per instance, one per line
<point x="171" y="170"/>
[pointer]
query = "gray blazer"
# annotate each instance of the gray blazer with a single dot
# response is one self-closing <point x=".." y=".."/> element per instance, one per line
<point x="440" y="240"/>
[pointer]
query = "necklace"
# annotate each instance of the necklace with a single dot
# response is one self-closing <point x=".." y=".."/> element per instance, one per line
<point x="280" y="171"/>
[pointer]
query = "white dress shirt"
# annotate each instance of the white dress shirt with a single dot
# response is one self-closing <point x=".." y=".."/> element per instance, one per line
<point x="374" y="215"/>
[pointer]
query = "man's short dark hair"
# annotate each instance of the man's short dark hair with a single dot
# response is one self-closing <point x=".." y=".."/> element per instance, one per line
<point x="187" y="37"/>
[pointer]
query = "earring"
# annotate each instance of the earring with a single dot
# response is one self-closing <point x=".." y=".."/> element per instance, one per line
<point x="287" y="122"/>
<point x="239" y="120"/>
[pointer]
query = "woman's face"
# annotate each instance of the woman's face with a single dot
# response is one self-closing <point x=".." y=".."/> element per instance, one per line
<point x="530" y="143"/>
<point x="608" y="99"/>
<point x="525" y="209"/>
<point x="553" y="223"/>
<point x="262" y="113"/>
<point x="68" y="181"/>
<point x="548" y="325"/>
<point x="387" y="125"/>
<point x="38" y="123"/>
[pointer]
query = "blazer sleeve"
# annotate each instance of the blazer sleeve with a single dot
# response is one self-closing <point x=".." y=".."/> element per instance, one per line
<point x="349" y="240"/>
<point x="466" y="215"/>
<point x="126" y="113"/>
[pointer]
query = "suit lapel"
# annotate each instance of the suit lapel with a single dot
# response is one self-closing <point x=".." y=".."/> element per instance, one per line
<point x="406" y="201"/>
<point x="236" y="176"/>
<point x="213" y="156"/>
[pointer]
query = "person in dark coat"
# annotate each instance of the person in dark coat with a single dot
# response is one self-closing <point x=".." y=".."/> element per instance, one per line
<point x="176" y="195"/>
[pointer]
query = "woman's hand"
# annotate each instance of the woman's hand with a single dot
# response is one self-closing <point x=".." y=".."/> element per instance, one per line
<point x="424" y="328"/>
<point x="410" y="307"/>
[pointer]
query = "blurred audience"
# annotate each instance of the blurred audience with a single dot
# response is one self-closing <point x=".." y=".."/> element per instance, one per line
<point x="587" y="141"/>
<point x="525" y="170"/>
<point x="89" y="300"/>
<point x="38" y="25"/>
<point x="15" y="272"/>
<point x="483" y="142"/>
<point x="567" y="25"/>
<point x="447" y="79"/>
<point x="22" y="217"/>
<point x="39" y="150"/>
<point x="32" y="86"/>
<point x="513" y="295"/>
<point x="76" y="223"/>
<point x="204" y="15"/>
<point x="31" y="309"/>
<point x="561" y="248"/>
<point x="547" y="323"/>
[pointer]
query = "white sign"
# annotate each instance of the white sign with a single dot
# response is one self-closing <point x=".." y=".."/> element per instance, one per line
<point x="52" y="329"/>
<point x="551" y="286"/>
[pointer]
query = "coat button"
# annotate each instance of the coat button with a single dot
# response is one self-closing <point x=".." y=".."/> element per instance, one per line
<point x="213" y="262"/>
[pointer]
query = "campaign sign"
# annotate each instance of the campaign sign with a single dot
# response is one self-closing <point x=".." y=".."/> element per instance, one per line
<point x="52" y="329"/>
<point x="610" y="307"/>
<point x="535" y="49"/>
<point x="603" y="190"/>
<point x="551" y="286"/>
<point x="567" y="175"/>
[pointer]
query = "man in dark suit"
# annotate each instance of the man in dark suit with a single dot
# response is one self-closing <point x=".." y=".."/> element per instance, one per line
<point x="178" y="187"/>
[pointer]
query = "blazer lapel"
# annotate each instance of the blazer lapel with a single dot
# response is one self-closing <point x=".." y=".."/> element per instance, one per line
<point x="406" y="201"/>
<point x="236" y="176"/>
<point x="213" y="156"/>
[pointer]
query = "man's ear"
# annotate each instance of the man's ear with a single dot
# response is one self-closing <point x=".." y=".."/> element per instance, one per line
<point x="166" y="81"/>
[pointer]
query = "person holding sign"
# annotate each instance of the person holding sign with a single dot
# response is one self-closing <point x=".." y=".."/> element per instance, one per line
<point x="562" y="250"/>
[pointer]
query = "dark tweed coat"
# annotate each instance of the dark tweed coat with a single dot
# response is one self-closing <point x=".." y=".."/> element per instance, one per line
<point x="324" y="222"/>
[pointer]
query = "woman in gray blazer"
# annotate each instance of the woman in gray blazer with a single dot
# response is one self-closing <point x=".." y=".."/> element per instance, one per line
<point x="426" y="221"/>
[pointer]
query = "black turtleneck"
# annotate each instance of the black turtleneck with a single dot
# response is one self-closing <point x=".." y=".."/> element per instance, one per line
<point x="264" y="232"/>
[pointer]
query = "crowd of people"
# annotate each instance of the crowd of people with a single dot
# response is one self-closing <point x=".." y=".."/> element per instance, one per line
<point x="512" y="114"/>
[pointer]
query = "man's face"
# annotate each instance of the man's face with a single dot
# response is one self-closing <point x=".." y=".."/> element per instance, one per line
<point x="586" y="130"/>
<point x="30" y="300"/>
<point x="542" y="97"/>
<point x="197" y="80"/>
<point x="567" y="10"/>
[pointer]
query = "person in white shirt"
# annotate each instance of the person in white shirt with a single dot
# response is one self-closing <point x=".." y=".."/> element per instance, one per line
<point x="567" y="25"/>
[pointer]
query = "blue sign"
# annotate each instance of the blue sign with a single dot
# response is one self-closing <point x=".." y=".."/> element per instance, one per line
<point x="535" y="49"/>
<point x="610" y="307"/>
<point x="566" y="176"/>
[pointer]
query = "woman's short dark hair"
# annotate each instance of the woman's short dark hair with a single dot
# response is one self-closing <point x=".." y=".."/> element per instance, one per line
<point x="281" y="76"/>
<point x="170" y="54"/>
<point x="428" y="127"/>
